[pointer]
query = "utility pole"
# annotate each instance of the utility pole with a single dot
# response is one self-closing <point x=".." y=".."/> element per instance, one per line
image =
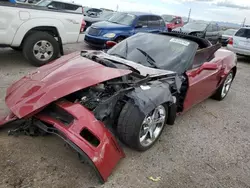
<point x="189" y="14"/>
<point x="243" y="24"/>
<point x="117" y="8"/>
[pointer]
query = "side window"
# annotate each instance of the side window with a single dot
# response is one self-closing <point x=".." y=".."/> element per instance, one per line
<point x="242" y="33"/>
<point x="162" y="23"/>
<point x="210" y="28"/>
<point x="215" y="28"/>
<point x="154" y="21"/>
<point x="248" y="33"/>
<point x="56" y="5"/>
<point x="142" y="21"/>
<point x="177" y="21"/>
<point x="199" y="59"/>
<point x="71" y="7"/>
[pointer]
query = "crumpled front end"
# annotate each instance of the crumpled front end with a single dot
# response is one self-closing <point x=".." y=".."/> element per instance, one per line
<point x="84" y="133"/>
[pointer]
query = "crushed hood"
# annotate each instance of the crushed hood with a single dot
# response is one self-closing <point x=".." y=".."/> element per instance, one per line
<point x="56" y="80"/>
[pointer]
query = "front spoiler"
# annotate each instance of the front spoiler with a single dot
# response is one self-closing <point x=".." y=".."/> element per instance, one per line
<point x="103" y="157"/>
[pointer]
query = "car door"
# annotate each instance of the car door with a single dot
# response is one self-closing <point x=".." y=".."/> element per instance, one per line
<point x="242" y="39"/>
<point x="141" y="24"/>
<point x="203" y="76"/>
<point x="155" y="24"/>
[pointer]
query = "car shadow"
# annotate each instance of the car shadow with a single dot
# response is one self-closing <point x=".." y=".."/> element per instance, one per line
<point x="243" y="59"/>
<point x="9" y="57"/>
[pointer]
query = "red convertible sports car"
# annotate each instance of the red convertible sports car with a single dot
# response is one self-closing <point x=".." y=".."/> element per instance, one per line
<point x="94" y="99"/>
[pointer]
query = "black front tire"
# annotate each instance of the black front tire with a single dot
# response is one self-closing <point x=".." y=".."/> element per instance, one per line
<point x="32" y="40"/>
<point x="129" y="126"/>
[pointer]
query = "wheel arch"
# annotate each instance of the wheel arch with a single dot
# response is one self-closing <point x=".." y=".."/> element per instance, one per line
<point x="234" y="69"/>
<point x="46" y="25"/>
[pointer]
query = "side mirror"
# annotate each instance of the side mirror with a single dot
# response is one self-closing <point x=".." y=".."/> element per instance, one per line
<point x="209" y="66"/>
<point x="30" y="1"/>
<point x="110" y="44"/>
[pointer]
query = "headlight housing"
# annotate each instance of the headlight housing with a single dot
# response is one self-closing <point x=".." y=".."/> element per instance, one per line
<point x="109" y="35"/>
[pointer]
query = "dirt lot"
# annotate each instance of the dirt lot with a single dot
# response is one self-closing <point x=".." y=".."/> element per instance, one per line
<point x="209" y="146"/>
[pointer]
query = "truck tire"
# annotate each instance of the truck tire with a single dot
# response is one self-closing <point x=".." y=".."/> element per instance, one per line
<point x="131" y="126"/>
<point x="40" y="48"/>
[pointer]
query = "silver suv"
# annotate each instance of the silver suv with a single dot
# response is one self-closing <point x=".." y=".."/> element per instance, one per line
<point x="240" y="42"/>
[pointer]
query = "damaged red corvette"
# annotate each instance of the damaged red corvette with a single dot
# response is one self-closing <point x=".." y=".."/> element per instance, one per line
<point x="93" y="99"/>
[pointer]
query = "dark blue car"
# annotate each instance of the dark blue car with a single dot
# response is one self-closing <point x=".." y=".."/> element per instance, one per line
<point x="123" y="25"/>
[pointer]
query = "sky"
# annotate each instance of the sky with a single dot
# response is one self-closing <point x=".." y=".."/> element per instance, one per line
<point x="211" y="10"/>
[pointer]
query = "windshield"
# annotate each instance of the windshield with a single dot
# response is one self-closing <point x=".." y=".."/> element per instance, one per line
<point x="106" y="15"/>
<point x="168" y="18"/>
<point x="195" y="26"/>
<point x="44" y="3"/>
<point x="230" y="32"/>
<point x="156" y="51"/>
<point x="122" y="18"/>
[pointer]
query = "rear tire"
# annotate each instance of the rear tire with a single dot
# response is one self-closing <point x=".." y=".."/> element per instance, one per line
<point x="223" y="90"/>
<point x="44" y="42"/>
<point x="130" y="125"/>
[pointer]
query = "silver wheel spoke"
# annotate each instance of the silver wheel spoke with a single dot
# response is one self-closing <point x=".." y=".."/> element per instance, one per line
<point x="44" y="43"/>
<point x="36" y="47"/>
<point x="159" y="120"/>
<point x="227" y="85"/>
<point x="151" y="134"/>
<point x="152" y="126"/>
<point x="39" y="55"/>
<point x="49" y="49"/>
<point x="43" y="50"/>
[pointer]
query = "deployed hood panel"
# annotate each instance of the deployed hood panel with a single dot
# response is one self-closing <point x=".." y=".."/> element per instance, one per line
<point x="54" y="81"/>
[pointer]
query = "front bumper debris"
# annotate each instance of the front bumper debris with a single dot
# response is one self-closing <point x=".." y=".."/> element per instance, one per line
<point x="103" y="155"/>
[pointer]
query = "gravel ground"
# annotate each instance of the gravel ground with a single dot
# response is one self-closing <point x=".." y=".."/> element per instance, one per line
<point x="209" y="146"/>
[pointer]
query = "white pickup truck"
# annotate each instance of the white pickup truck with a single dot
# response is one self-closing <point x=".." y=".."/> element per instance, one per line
<point x="38" y="31"/>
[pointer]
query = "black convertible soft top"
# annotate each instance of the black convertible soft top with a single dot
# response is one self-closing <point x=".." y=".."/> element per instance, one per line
<point x="203" y="43"/>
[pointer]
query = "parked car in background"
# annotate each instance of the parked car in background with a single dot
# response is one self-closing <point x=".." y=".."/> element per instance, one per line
<point x="39" y="32"/>
<point x="106" y="15"/>
<point x="240" y="42"/>
<point x="32" y="2"/>
<point x="60" y="5"/>
<point x="122" y="25"/>
<point x="95" y="12"/>
<point x="209" y="31"/>
<point x="172" y="22"/>
<point x="226" y="35"/>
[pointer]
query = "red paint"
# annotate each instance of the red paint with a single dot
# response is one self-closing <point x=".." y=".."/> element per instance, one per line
<point x="108" y="153"/>
<point x="53" y="81"/>
<point x="7" y="118"/>
<point x="204" y="81"/>
<point x="173" y="24"/>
